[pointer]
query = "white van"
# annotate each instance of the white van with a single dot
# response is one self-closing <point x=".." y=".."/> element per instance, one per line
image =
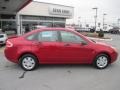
<point x="3" y="38"/>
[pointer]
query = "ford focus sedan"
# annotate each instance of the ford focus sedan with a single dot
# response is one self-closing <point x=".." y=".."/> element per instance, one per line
<point x="57" y="46"/>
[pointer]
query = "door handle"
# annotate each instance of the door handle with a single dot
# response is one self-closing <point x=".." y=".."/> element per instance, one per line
<point x="67" y="44"/>
<point x="37" y="43"/>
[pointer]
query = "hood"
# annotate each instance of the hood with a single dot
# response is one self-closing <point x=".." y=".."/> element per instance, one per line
<point x="103" y="44"/>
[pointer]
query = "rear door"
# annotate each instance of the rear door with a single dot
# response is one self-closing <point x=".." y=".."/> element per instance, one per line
<point x="46" y="45"/>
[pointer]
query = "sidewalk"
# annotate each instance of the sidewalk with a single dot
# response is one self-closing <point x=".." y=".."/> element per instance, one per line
<point x="100" y="39"/>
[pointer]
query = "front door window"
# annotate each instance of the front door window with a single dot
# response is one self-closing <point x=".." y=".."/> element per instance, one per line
<point x="70" y="37"/>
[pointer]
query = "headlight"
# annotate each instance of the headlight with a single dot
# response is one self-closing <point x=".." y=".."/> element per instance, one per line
<point x="9" y="44"/>
<point x="113" y="48"/>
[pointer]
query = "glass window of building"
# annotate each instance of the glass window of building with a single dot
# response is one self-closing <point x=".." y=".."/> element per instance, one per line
<point x="59" y="19"/>
<point x="9" y="27"/>
<point x="47" y="24"/>
<point x="58" y="24"/>
<point x="7" y="16"/>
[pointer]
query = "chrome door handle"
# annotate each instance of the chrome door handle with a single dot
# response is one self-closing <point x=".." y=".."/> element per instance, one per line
<point x="67" y="44"/>
<point x="37" y="43"/>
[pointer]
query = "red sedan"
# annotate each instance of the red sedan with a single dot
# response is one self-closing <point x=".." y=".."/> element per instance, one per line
<point x="57" y="46"/>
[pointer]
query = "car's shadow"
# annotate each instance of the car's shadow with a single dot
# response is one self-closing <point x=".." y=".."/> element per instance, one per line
<point x="63" y="66"/>
<point x="42" y="67"/>
<point x="74" y="66"/>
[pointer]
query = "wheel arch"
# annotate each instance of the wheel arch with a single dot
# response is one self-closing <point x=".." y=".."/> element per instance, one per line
<point x="106" y="53"/>
<point x="28" y="53"/>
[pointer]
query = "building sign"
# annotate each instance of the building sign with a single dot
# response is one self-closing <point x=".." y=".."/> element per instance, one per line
<point x="60" y="11"/>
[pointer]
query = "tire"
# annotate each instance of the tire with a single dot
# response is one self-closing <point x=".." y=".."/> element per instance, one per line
<point x="101" y="61"/>
<point x="28" y="62"/>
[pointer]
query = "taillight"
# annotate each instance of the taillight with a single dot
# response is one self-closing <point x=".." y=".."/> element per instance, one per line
<point x="8" y="44"/>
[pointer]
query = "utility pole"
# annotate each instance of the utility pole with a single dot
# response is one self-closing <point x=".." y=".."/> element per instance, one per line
<point x="119" y="23"/>
<point x="95" y="17"/>
<point x="104" y="20"/>
<point x="79" y="23"/>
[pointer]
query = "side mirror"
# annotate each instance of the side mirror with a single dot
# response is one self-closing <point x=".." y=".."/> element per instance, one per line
<point x="83" y="43"/>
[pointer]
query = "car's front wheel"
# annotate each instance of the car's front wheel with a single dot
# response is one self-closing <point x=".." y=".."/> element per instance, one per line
<point x="101" y="61"/>
<point x="28" y="62"/>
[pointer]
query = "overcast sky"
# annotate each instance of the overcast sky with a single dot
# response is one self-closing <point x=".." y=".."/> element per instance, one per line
<point x="83" y="9"/>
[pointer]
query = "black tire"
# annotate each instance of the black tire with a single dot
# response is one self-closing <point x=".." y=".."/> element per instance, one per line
<point x="27" y="60"/>
<point x="97" y="62"/>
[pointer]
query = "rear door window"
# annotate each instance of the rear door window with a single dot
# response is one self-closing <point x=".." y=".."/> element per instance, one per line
<point x="44" y="36"/>
<point x="33" y="36"/>
<point x="48" y="36"/>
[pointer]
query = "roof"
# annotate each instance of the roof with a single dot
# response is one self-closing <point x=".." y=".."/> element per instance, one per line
<point x="53" y="4"/>
<point x="46" y="28"/>
<point x="12" y="6"/>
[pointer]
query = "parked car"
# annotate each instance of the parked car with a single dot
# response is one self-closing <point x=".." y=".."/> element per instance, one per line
<point x="9" y="30"/>
<point x="114" y="30"/>
<point x="3" y="38"/>
<point x="58" y="46"/>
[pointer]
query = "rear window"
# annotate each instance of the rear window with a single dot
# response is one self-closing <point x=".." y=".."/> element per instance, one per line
<point x="33" y="37"/>
<point x="1" y="36"/>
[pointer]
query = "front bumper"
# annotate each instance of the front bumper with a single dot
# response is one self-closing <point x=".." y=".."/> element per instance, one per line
<point x="2" y="42"/>
<point x="114" y="56"/>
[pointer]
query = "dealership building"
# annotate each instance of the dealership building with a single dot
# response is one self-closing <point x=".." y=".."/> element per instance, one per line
<point x="21" y="16"/>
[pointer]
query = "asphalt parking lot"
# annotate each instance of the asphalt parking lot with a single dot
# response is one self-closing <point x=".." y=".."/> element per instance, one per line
<point x="61" y="77"/>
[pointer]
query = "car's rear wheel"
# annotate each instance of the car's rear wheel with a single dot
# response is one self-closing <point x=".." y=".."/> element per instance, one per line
<point x="28" y="62"/>
<point x="101" y="61"/>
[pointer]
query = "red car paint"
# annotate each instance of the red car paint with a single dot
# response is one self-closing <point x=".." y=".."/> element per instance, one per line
<point x="57" y="52"/>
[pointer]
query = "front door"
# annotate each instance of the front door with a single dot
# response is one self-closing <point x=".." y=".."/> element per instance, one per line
<point x="72" y="50"/>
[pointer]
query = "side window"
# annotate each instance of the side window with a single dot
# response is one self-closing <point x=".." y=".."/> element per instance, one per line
<point x="70" y="37"/>
<point x="33" y="37"/>
<point x="48" y="36"/>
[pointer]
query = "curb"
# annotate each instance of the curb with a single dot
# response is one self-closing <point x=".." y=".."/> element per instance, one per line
<point x="100" y="39"/>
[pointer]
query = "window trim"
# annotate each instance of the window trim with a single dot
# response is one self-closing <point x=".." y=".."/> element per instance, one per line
<point x="37" y="33"/>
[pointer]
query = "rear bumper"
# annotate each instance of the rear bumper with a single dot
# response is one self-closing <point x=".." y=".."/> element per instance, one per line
<point x="11" y="54"/>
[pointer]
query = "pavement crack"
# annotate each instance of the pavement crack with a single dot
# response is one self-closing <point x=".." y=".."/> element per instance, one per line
<point x="69" y="71"/>
<point x="47" y="86"/>
<point x="7" y="66"/>
<point x="23" y="74"/>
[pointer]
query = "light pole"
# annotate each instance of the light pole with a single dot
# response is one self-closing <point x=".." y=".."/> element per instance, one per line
<point x="95" y="17"/>
<point x="118" y="23"/>
<point x="104" y="20"/>
<point x="79" y="21"/>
